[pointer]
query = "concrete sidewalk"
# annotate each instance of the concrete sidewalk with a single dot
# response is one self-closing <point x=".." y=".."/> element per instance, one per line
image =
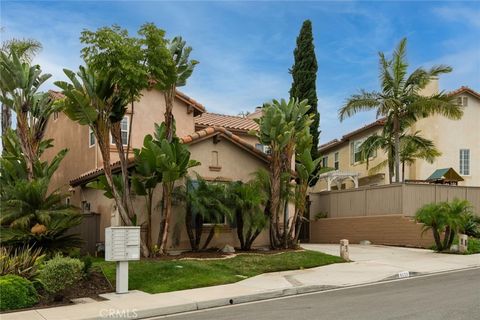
<point x="372" y="263"/>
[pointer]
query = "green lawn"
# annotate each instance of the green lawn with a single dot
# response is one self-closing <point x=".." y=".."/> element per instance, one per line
<point x="155" y="276"/>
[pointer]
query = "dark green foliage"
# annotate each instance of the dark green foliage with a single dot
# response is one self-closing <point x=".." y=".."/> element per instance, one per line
<point x="16" y="293"/>
<point x="447" y="218"/>
<point x="249" y="203"/>
<point x="304" y="73"/>
<point x="59" y="273"/>
<point x="204" y="201"/>
<point x="23" y="262"/>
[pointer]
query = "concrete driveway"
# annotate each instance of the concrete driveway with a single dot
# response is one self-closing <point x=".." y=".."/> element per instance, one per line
<point x="407" y="259"/>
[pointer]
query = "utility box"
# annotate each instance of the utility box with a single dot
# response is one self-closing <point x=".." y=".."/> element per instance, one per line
<point x="462" y="243"/>
<point x="122" y="243"/>
<point x="344" y="254"/>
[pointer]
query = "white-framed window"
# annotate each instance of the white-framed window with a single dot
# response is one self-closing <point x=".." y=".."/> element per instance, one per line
<point x="324" y="161"/>
<point x="465" y="162"/>
<point x="91" y="138"/>
<point x="123" y="131"/>
<point x="356" y="155"/>
<point x="336" y="162"/>
<point x="55" y="115"/>
<point x="462" y="101"/>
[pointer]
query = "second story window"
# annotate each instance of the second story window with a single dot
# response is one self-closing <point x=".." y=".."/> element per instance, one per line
<point x="355" y="152"/>
<point x="91" y="138"/>
<point x="336" y="162"/>
<point x="123" y="131"/>
<point x="462" y="101"/>
<point x="324" y="161"/>
<point x="465" y="162"/>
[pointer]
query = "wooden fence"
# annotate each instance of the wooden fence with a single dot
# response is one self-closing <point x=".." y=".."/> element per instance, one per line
<point x="393" y="199"/>
<point x="89" y="231"/>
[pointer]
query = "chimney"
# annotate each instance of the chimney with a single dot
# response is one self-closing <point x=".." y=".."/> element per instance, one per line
<point x="431" y="88"/>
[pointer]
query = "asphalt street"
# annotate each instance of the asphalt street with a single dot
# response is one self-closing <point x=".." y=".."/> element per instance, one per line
<point x="448" y="296"/>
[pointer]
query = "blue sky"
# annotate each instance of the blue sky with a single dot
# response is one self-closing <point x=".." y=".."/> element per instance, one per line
<point x="246" y="48"/>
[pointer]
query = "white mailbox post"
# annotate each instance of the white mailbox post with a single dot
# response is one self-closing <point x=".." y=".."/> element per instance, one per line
<point x="122" y="244"/>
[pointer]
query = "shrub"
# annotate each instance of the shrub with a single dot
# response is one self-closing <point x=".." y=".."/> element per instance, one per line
<point x="59" y="273"/>
<point x="87" y="264"/>
<point x="448" y="218"/>
<point x="23" y="262"/>
<point x="16" y="293"/>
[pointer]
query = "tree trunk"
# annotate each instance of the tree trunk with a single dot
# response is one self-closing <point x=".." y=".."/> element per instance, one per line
<point x="451" y="238"/>
<point x="209" y="238"/>
<point x="275" y="199"/>
<point x="396" y="129"/>
<point x="167" y="211"/>
<point x="23" y="132"/>
<point x="446" y="237"/>
<point x="188" y="225"/>
<point x="6" y="119"/>
<point x="240" y="227"/>
<point x="198" y="230"/>
<point x="126" y="195"/>
<point x="149" y="220"/>
<point x="169" y="119"/>
<point x="438" y="241"/>
<point x="403" y="171"/>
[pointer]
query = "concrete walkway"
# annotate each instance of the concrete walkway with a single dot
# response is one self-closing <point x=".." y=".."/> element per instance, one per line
<point x="372" y="263"/>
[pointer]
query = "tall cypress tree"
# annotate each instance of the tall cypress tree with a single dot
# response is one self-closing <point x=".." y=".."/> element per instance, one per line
<point x="304" y="73"/>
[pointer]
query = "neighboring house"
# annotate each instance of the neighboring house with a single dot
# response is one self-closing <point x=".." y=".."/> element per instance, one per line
<point x="457" y="140"/>
<point x="221" y="143"/>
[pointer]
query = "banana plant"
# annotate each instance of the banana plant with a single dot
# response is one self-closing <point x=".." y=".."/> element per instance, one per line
<point x="19" y="85"/>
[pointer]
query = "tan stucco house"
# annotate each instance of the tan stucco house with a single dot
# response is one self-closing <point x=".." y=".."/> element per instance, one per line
<point x="457" y="140"/>
<point x="221" y="143"/>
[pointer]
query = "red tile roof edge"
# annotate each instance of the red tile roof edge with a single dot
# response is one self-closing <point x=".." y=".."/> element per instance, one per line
<point x="191" y="138"/>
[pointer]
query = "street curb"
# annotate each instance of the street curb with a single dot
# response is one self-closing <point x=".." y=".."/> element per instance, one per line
<point x="300" y="290"/>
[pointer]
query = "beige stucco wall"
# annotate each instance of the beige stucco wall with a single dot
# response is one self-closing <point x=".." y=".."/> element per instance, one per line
<point x="449" y="137"/>
<point x="236" y="164"/>
<point x="345" y="163"/>
<point x="81" y="158"/>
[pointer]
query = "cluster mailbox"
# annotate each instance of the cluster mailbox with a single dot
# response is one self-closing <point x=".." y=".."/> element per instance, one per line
<point x="122" y="244"/>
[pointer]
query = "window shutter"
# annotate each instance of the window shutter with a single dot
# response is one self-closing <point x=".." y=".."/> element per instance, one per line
<point x="352" y="153"/>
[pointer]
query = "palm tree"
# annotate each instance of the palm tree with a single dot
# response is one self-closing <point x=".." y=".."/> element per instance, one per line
<point x="25" y="50"/>
<point x="412" y="147"/>
<point x="172" y="163"/>
<point x="20" y="83"/>
<point x="90" y="100"/>
<point x="279" y="128"/>
<point x="248" y="201"/>
<point x="400" y="97"/>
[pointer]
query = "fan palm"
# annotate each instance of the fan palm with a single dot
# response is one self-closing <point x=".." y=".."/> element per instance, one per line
<point x="400" y="97"/>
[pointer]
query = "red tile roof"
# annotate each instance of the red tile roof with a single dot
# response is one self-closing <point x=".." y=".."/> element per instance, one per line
<point x="232" y="123"/>
<point x="213" y="131"/>
<point x="381" y="122"/>
<point x="465" y="89"/>
<point x="189" y="139"/>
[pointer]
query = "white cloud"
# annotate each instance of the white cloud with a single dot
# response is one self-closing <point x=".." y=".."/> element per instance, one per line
<point x="458" y="13"/>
